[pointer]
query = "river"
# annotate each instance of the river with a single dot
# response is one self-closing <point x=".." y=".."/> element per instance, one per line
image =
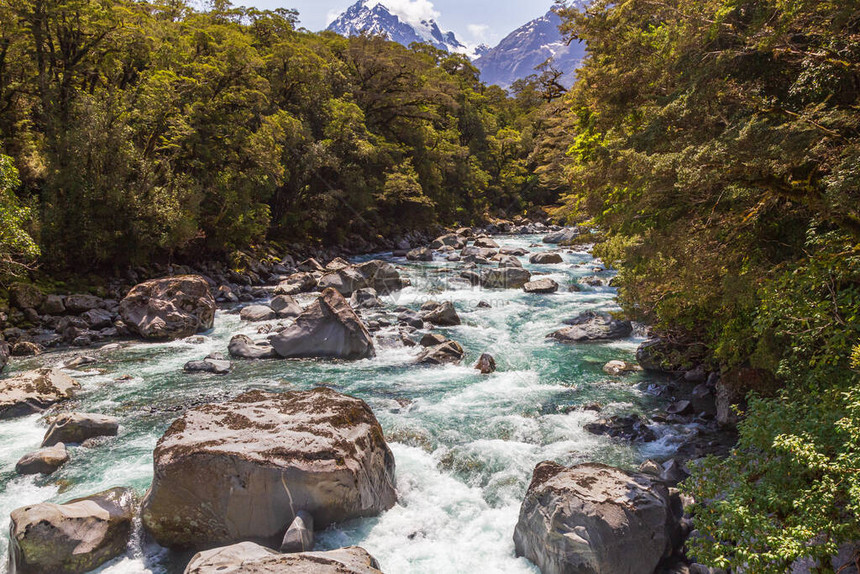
<point x="465" y="444"/>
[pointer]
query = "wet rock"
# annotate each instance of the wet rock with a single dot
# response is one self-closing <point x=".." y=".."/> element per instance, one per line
<point x="672" y="472"/>
<point x="53" y="305"/>
<point x="243" y="347"/>
<point x="450" y="240"/>
<point x="98" y="318"/>
<point x="680" y="408"/>
<point x="595" y="519"/>
<point x="472" y="254"/>
<point x="300" y="535"/>
<point x="443" y="315"/>
<point x="486" y="364"/>
<point x="432" y="339"/>
<point x="296" y="283"/>
<point x="420" y="254"/>
<point x="252" y="462"/>
<point x="472" y="277"/>
<point x="564" y="236"/>
<point x="170" y="308"/>
<point x="541" y="287"/>
<point x="34" y="391"/>
<point x="214" y="363"/>
<point x="75" y="428"/>
<point x="365" y="299"/>
<point x="381" y="276"/>
<point x="630" y="428"/>
<point x="255" y="313"/>
<point x="411" y="319"/>
<point x="697" y="375"/>
<point x="43" y="461"/>
<point x="26" y="349"/>
<point x="346" y="281"/>
<point x="250" y="558"/>
<point x="446" y="353"/>
<point x="484" y="305"/>
<point x="591" y="326"/>
<point x="486" y="243"/>
<point x="546" y="258"/>
<point x="617" y="368"/>
<point x="79" y="361"/>
<point x="285" y="307"/>
<point x="506" y="278"/>
<point x="71" y="538"/>
<point x="81" y="303"/>
<point x="328" y="328"/>
<point x="5" y="353"/>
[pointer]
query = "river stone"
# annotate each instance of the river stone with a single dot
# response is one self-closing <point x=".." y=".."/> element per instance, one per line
<point x="170" y="308"/>
<point x="591" y="326"/>
<point x="81" y="303"/>
<point x="285" y="306"/>
<point x="71" y="538"/>
<point x="43" y="461"/>
<point x="486" y="364"/>
<point x="328" y="328"/>
<point x="451" y="240"/>
<point x="297" y="283"/>
<point x="336" y="264"/>
<point x="446" y="353"/>
<point x="300" y="534"/>
<point x="595" y="519"/>
<point x="563" y="236"/>
<point x="507" y="261"/>
<point x="241" y="470"/>
<point x="443" y="314"/>
<point x="365" y="299"/>
<point x="25" y="296"/>
<point x="506" y="278"/>
<point x="432" y="339"/>
<point x="214" y="363"/>
<point x="26" y="349"/>
<point x="541" y="286"/>
<point x="310" y="265"/>
<point x="251" y="558"/>
<point x="243" y="347"/>
<point x="486" y="243"/>
<point x="98" y="318"/>
<point x="346" y="281"/>
<point x="75" y="428"/>
<point x="381" y="276"/>
<point x="256" y="313"/>
<point x="5" y="353"/>
<point x="34" y="391"/>
<point x="546" y="258"/>
<point x="53" y="305"/>
<point x="420" y="254"/>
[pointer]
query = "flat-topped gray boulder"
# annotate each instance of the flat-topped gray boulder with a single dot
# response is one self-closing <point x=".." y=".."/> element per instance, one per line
<point x="251" y="558"/>
<point x="541" y="286"/>
<point x="285" y="306"/>
<point x="43" y="461"/>
<point x="215" y="364"/>
<point x="34" y="391"/>
<point x="591" y="326"/>
<point x="243" y="347"/>
<point x="420" y="254"/>
<point x="255" y="313"/>
<point x="564" y="236"/>
<point x="296" y="283"/>
<point x="595" y="519"/>
<point x="168" y="309"/>
<point x="75" y="428"/>
<point x="328" y="328"/>
<point x="546" y="258"/>
<point x="506" y="278"/>
<point x="71" y="538"/>
<point x="242" y="469"/>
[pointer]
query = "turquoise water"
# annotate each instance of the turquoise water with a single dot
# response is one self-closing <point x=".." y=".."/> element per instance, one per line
<point x="465" y="444"/>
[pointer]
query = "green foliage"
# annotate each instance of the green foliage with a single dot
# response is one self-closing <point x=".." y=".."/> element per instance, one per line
<point x="17" y="247"/>
<point x="163" y="131"/>
<point x="716" y="144"/>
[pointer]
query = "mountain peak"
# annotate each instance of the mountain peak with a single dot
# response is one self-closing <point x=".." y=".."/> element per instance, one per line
<point x="375" y="18"/>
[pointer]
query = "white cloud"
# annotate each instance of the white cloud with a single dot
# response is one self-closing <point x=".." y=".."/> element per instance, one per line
<point x="411" y="11"/>
<point x="478" y="31"/>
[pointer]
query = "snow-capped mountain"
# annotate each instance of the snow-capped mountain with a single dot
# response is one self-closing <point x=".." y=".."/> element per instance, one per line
<point x="528" y="47"/>
<point x="373" y="17"/>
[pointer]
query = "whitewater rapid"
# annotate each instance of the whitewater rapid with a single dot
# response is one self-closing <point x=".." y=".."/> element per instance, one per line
<point x="465" y="444"/>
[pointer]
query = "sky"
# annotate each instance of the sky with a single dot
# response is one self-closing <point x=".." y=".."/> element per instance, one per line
<point x="473" y="21"/>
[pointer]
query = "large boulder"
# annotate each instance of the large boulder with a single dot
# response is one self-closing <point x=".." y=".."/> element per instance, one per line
<point x="75" y="428"/>
<point x="34" y="391"/>
<point x="243" y="347"/>
<point x="328" y="328"/>
<point x="241" y="470"/>
<point x="71" y="538"/>
<point x="345" y="281"/>
<point x="564" y="236"/>
<point x="170" y="308"/>
<point x="506" y="278"/>
<point x="381" y="276"/>
<point x="595" y="519"/>
<point x="297" y="283"/>
<point x="541" y="286"/>
<point x="81" y="303"/>
<point x="546" y="258"/>
<point x="486" y="243"/>
<point x="285" y="306"/>
<point x="449" y="240"/>
<point x="255" y="313"/>
<point x="447" y="352"/>
<point x="25" y="296"/>
<point x="443" y="315"/>
<point x="591" y="326"/>
<point x="251" y="558"/>
<point x="43" y="461"/>
<point x="420" y="254"/>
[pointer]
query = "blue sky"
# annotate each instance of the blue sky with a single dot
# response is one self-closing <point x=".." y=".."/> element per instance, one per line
<point x="474" y="21"/>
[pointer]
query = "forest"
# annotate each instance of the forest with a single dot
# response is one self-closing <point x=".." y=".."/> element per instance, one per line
<point x="714" y="144"/>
